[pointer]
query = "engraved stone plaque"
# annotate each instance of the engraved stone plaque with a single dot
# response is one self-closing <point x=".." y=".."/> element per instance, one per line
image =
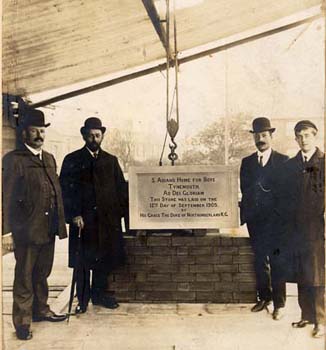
<point x="183" y="197"/>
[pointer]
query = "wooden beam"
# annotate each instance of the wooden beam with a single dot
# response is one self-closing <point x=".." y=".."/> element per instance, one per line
<point x="185" y="59"/>
<point x="157" y="23"/>
<point x="245" y="40"/>
<point x="99" y="86"/>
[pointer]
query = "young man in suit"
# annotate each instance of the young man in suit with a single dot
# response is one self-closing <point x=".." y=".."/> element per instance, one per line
<point x="32" y="215"/>
<point x="259" y="186"/>
<point x="306" y="206"/>
<point x="95" y="197"/>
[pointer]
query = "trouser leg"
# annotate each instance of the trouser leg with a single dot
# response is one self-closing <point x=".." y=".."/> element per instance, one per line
<point x="278" y="279"/>
<point x="99" y="282"/>
<point x="83" y="285"/>
<point x="41" y="272"/>
<point x="263" y="277"/>
<point x="305" y="299"/>
<point x="23" y="285"/>
<point x="319" y="304"/>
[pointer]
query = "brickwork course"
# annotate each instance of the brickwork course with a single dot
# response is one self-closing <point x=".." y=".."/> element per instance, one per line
<point x="167" y="268"/>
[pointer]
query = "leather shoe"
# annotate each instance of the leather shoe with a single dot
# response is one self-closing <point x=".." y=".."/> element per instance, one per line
<point x="24" y="333"/>
<point x="106" y="301"/>
<point x="300" y="324"/>
<point x="278" y="313"/>
<point x="80" y="309"/>
<point x="318" y="331"/>
<point x="50" y="316"/>
<point x="261" y="305"/>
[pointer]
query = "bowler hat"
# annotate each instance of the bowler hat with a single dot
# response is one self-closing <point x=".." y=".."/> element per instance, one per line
<point x="261" y="124"/>
<point x="303" y="124"/>
<point x="33" y="117"/>
<point x="92" y="123"/>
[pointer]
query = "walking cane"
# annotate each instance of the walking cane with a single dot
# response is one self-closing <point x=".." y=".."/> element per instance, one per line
<point x="74" y="275"/>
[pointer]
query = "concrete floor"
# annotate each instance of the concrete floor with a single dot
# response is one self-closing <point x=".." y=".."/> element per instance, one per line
<point x="166" y="326"/>
<point x="156" y="326"/>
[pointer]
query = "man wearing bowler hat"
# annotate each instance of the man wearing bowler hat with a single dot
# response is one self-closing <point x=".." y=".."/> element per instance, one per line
<point x="259" y="182"/>
<point x="305" y="194"/>
<point x="33" y="215"/>
<point x="95" y="196"/>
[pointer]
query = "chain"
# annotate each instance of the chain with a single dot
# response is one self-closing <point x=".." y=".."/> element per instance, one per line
<point x="173" y="156"/>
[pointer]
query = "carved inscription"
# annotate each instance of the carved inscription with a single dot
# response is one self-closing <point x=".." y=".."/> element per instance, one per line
<point x="191" y="199"/>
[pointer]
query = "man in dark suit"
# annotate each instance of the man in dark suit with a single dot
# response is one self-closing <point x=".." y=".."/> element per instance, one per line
<point x="305" y="192"/>
<point x="32" y="215"/>
<point x="259" y="187"/>
<point x="95" y="197"/>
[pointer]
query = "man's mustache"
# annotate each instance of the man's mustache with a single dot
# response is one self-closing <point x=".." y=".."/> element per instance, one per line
<point x="38" y="139"/>
<point x="260" y="143"/>
<point x="93" y="146"/>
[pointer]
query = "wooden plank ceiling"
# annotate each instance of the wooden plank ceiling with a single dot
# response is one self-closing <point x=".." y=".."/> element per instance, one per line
<point x="49" y="44"/>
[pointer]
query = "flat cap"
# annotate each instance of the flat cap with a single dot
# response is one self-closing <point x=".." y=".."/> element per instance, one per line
<point x="304" y="124"/>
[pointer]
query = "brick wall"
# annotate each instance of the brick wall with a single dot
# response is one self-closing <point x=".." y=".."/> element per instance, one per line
<point x="190" y="269"/>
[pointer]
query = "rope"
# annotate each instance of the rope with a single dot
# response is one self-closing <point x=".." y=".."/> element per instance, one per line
<point x="164" y="143"/>
<point x="172" y="124"/>
<point x="176" y="64"/>
<point x="167" y="58"/>
<point x="166" y="134"/>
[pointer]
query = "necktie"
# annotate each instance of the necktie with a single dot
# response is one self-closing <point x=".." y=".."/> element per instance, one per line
<point x="305" y="164"/>
<point x="95" y="155"/>
<point x="261" y="161"/>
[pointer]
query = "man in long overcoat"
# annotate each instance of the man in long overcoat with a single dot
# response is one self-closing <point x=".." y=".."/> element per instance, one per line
<point x="95" y="197"/>
<point x="259" y="210"/>
<point x="305" y="191"/>
<point x="32" y="215"/>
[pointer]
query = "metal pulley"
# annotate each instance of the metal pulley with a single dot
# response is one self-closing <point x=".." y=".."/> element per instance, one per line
<point x="172" y="127"/>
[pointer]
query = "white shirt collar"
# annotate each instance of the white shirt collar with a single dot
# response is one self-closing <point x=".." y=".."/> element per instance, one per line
<point x="266" y="155"/>
<point x="308" y="155"/>
<point x="34" y="151"/>
<point x="91" y="152"/>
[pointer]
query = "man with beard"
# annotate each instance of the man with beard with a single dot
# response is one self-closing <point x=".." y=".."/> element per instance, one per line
<point x="305" y="192"/>
<point x="94" y="192"/>
<point x="32" y="215"/>
<point x="259" y="210"/>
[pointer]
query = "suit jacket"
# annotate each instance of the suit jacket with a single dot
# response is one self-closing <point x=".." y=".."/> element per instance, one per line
<point x="25" y="211"/>
<point x="260" y="194"/>
<point x="97" y="191"/>
<point x="305" y="195"/>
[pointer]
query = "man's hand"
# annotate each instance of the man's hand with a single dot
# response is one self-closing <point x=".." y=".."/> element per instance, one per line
<point x="78" y="221"/>
<point x="8" y="242"/>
